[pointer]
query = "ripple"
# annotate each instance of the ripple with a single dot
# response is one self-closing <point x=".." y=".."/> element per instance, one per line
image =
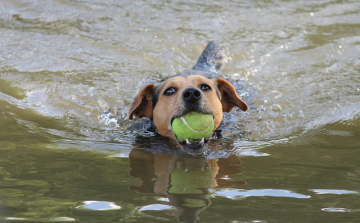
<point x="334" y="209"/>
<point x="331" y="191"/>
<point x="156" y="207"/>
<point x="57" y="219"/>
<point x="62" y="219"/>
<point x="236" y="194"/>
<point x="98" y="206"/>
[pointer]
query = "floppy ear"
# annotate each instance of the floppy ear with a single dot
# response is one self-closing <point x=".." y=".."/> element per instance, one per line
<point x="228" y="96"/>
<point x="142" y="105"/>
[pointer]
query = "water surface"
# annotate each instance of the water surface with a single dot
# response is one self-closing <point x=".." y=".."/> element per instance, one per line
<point x="293" y="157"/>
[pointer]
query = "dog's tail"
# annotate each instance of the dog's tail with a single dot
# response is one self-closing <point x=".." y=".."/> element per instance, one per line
<point x="211" y="58"/>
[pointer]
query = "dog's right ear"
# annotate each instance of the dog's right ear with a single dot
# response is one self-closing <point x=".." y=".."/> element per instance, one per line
<point x="142" y="105"/>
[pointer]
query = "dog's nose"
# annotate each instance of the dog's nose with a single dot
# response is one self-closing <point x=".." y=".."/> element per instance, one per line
<point x="191" y="94"/>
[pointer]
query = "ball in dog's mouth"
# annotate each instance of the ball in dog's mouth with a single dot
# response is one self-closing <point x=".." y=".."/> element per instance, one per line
<point x="193" y="130"/>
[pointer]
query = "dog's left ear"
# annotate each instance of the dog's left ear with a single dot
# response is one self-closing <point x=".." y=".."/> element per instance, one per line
<point x="228" y="96"/>
<point x="142" y="105"/>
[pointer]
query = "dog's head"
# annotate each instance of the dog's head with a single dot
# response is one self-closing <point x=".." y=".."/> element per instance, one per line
<point x="179" y="95"/>
<point x="191" y="90"/>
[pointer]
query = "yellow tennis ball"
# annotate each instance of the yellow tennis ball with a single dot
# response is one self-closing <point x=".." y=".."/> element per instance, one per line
<point x="193" y="126"/>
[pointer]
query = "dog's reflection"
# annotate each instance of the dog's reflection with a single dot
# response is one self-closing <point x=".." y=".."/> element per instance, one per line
<point x="185" y="181"/>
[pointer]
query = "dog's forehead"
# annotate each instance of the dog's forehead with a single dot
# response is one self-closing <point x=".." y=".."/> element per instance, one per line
<point x="187" y="80"/>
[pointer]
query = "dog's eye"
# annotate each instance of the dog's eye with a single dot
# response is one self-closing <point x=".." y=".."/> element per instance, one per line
<point x="205" y="87"/>
<point x="170" y="91"/>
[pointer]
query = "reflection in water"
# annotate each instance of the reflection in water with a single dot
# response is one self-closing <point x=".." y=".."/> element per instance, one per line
<point x="184" y="181"/>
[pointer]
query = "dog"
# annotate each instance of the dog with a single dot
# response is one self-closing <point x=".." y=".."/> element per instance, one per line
<point x="197" y="89"/>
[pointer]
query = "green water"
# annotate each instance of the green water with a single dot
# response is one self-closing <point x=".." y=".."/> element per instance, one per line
<point x="293" y="157"/>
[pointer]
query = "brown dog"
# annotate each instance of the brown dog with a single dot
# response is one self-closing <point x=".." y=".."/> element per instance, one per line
<point x="192" y="90"/>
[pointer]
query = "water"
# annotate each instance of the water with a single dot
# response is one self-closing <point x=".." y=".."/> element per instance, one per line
<point x="294" y="157"/>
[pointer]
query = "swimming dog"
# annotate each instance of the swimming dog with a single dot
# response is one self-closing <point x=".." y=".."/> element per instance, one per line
<point x="197" y="89"/>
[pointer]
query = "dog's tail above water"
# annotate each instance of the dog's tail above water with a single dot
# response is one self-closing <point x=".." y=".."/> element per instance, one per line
<point x="211" y="58"/>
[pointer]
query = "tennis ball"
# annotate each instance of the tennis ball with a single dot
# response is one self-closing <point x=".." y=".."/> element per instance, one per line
<point x="193" y="126"/>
